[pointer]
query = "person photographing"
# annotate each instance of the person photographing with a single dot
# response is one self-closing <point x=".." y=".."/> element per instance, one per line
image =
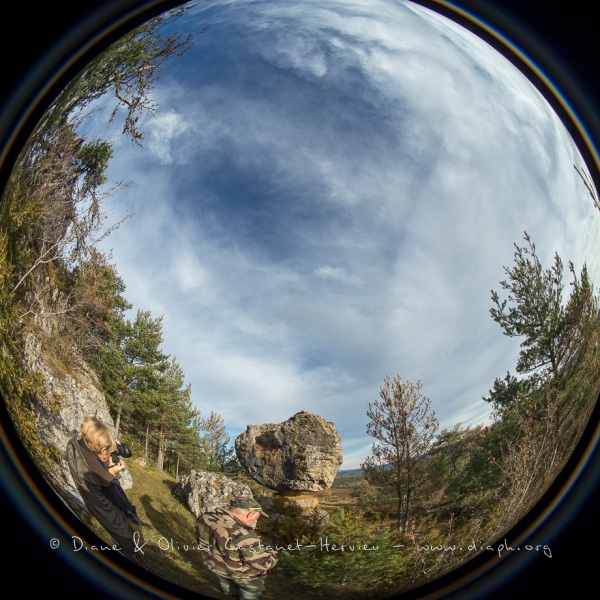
<point x="91" y="460"/>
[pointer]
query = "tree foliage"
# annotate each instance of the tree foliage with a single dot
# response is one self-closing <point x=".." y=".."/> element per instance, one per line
<point x="52" y="206"/>
<point x="349" y="557"/>
<point x="555" y="331"/>
<point x="130" y="363"/>
<point x="404" y="426"/>
<point x="541" y="413"/>
<point x="456" y="445"/>
<point x="127" y="70"/>
<point x="56" y="282"/>
<point x="55" y="190"/>
<point x="173" y="411"/>
<point x="147" y="393"/>
<point x="220" y="455"/>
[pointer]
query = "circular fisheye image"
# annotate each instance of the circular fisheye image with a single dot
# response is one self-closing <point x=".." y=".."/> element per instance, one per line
<point x="300" y="300"/>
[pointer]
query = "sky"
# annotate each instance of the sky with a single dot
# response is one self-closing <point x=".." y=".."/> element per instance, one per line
<point x="327" y="194"/>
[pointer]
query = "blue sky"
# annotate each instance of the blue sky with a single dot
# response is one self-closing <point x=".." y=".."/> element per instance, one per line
<point x="326" y="195"/>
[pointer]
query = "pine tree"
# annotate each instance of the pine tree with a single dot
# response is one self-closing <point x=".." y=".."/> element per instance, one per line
<point x="173" y="410"/>
<point x="556" y="332"/>
<point x="404" y="426"/>
<point x="540" y="415"/>
<point x="219" y="453"/>
<point x="130" y="363"/>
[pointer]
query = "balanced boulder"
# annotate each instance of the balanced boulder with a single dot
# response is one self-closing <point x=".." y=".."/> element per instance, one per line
<point x="303" y="453"/>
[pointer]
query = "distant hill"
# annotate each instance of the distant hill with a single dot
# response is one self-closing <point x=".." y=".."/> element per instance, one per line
<point x="355" y="472"/>
<point x="349" y="473"/>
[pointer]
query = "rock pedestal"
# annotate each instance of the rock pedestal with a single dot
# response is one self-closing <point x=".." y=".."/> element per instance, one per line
<point x="304" y="501"/>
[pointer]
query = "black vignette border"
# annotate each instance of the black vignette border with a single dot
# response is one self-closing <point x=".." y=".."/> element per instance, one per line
<point x="566" y="30"/>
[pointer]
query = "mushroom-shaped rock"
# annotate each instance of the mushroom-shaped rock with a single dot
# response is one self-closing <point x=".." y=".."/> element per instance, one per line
<point x="303" y="453"/>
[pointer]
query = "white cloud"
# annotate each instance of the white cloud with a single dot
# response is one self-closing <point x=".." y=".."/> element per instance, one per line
<point x="333" y="200"/>
<point x="338" y="274"/>
<point x="164" y="129"/>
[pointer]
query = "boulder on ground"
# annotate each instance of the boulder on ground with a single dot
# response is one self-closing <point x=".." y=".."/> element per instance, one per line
<point x="204" y="491"/>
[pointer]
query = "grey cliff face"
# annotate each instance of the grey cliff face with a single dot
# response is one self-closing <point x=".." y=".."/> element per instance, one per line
<point x="303" y="453"/>
<point x="78" y="395"/>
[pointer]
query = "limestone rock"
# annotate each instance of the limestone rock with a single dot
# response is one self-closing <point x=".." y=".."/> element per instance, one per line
<point x="204" y="491"/>
<point x="303" y="453"/>
<point x="303" y="501"/>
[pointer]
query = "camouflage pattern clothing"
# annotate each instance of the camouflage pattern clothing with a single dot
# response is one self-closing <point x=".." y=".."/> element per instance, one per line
<point x="234" y="553"/>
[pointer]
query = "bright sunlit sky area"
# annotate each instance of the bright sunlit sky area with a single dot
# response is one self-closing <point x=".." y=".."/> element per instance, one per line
<point x="326" y="195"/>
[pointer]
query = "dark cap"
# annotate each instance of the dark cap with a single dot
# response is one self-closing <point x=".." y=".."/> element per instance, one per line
<point x="247" y="504"/>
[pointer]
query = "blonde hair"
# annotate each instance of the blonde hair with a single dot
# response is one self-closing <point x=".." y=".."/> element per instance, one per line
<point x="97" y="436"/>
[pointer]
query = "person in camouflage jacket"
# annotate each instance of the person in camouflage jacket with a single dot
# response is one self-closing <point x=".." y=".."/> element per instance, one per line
<point x="232" y="550"/>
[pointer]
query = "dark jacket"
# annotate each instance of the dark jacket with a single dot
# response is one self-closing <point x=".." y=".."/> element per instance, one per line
<point x="93" y="480"/>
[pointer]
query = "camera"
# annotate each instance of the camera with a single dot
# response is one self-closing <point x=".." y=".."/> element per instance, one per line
<point x="122" y="450"/>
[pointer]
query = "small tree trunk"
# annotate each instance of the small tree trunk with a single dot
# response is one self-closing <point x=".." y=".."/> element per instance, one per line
<point x="146" y="443"/>
<point x="118" y="420"/>
<point x="406" y="506"/>
<point x="160" y="455"/>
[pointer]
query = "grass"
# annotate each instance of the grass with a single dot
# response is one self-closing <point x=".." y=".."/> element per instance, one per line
<point x="170" y="538"/>
<point x="170" y="542"/>
<point x="345" y="482"/>
<point x="169" y="550"/>
<point x="343" y="492"/>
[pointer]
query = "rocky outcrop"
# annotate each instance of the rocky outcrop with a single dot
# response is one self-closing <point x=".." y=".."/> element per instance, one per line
<point x="204" y="491"/>
<point x="69" y="397"/>
<point x="303" y="453"/>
